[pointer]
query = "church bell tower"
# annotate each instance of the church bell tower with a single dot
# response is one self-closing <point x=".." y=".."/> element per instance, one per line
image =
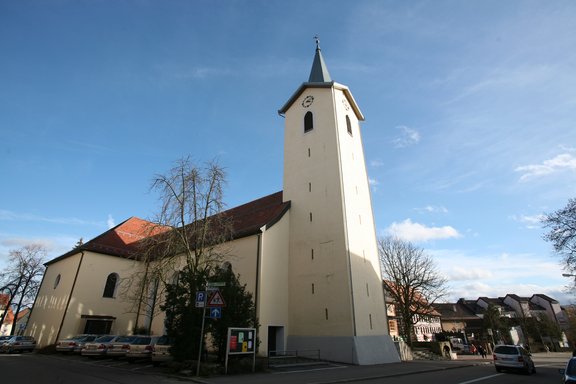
<point x="335" y="285"/>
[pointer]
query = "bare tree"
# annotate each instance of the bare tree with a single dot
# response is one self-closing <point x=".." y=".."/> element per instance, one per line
<point x="185" y="235"/>
<point x="22" y="278"/>
<point x="411" y="279"/>
<point x="562" y="234"/>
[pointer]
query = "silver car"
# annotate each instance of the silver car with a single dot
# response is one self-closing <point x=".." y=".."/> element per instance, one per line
<point x="74" y="344"/>
<point x="141" y="348"/>
<point x="119" y="347"/>
<point x="162" y="351"/>
<point x="18" y="344"/>
<point x="98" y="347"/>
<point x="513" y="357"/>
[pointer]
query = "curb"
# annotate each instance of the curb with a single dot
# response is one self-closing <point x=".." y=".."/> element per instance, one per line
<point x="400" y="374"/>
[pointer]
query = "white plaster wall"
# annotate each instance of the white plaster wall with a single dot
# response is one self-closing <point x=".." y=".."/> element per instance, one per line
<point x="50" y="304"/>
<point x="273" y="295"/>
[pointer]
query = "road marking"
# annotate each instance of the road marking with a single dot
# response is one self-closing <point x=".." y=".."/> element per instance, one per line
<point x="481" y="378"/>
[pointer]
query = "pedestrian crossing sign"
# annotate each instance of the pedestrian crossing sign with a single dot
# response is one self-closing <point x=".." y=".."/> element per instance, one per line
<point x="216" y="300"/>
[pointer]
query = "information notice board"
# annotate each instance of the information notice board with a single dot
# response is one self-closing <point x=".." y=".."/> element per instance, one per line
<point x="241" y="341"/>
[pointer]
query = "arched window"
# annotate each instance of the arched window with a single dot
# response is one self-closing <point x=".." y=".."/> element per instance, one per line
<point x="308" y="122"/>
<point x="348" y="125"/>
<point x="57" y="281"/>
<point x="110" y="287"/>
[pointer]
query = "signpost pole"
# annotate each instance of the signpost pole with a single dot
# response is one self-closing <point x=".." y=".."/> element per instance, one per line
<point x="201" y="339"/>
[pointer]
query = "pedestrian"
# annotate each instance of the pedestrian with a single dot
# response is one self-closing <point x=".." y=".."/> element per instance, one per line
<point x="473" y="349"/>
<point x="446" y="350"/>
<point x="482" y="351"/>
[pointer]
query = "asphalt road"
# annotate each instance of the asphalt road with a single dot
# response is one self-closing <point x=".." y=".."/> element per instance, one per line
<point x="62" y="369"/>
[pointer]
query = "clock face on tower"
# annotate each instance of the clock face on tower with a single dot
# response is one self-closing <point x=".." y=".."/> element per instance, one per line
<point x="308" y="100"/>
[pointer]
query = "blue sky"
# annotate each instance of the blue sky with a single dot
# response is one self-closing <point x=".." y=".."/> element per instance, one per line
<point x="469" y="135"/>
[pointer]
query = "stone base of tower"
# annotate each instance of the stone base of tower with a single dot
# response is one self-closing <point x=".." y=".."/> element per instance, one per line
<point x="358" y="350"/>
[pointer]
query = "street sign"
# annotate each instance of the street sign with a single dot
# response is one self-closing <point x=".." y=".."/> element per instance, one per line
<point x="215" y="313"/>
<point x="216" y="284"/>
<point x="216" y="300"/>
<point x="200" y="299"/>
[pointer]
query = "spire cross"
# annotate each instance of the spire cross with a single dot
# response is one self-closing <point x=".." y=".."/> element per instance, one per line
<point x="317" y="38"/>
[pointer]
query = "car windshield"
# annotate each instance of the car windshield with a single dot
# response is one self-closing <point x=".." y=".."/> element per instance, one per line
<point x="105" y="339"/>
<point x="124" y="339"/>
<point x="506" y="350"/>
<point x="164" y="340"/>
<point x="142" y="341"/>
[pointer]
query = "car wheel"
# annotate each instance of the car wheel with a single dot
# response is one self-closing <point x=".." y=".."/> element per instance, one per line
<point x="498" y="369"/>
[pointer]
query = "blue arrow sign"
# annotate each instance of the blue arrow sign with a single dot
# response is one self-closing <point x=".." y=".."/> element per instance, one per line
<point x="215" y="313"/>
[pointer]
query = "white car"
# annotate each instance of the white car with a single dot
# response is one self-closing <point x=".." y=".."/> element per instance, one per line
<point x="141" y="348"/>
<point x="98" y="347"/>
<point x="74" y="344"/>
<point x="513" y="357"/>
<point x="17" y="344"/>
<point x="162" y="351"/>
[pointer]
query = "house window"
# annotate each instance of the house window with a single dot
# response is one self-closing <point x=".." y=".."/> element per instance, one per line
<point x="308" y="122"/>
<point x="110" y="287"/>
<point x="57" y="281"/>
<point x="348" y="125"/>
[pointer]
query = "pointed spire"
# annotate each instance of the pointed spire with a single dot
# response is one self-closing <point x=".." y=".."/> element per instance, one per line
<point x="319" y="72"/>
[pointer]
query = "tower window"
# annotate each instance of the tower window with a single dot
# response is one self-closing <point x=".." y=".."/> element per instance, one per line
<point x="326" y="313"/>
<point x="348" y="125"/>
<point x="309" y="187"/>
<point x="309" y="152"/>
<point x="310" y="216"/>
<point x="110" y="287"/>
<point x="312" y="253"/>
<point x="312" y="288"/>
<point x="308" y="122"/>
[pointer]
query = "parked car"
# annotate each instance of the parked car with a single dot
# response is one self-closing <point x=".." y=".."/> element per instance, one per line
<point x="161" y="352"/>
<point x="141" y="348"/>
<point x="513" y="357"/>
<point x="74" y="344"/>
<point x="99" y="346"/>
<point x="18" y="344"/>
<point x="119" y="347"/>
<point x="569" y="372"/>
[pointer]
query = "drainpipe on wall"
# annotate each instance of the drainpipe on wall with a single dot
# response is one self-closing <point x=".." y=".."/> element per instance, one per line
<point x="257" y="285"/>
<point x="70" y="296"/>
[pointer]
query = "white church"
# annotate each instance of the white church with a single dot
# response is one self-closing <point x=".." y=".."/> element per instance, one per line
<point x="307" y="253"/>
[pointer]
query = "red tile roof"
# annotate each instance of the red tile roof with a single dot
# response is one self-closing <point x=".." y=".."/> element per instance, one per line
<point x="124" y="239"/>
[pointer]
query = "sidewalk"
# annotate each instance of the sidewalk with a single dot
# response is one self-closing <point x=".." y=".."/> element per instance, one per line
<point x="342" y="373"/>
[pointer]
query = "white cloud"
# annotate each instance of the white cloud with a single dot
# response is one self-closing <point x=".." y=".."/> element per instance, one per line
<point x="557" y="164"/>
<point x="373" y="181"/>
<point x="14" y="216"/>
<point x="408" y="136"/>
<point x="531" y="222"/>
<point x="407" y="230"/>
<point x="110" y="222"/>
<point x="376" y="163"/>
<point x="432" y="209"/>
